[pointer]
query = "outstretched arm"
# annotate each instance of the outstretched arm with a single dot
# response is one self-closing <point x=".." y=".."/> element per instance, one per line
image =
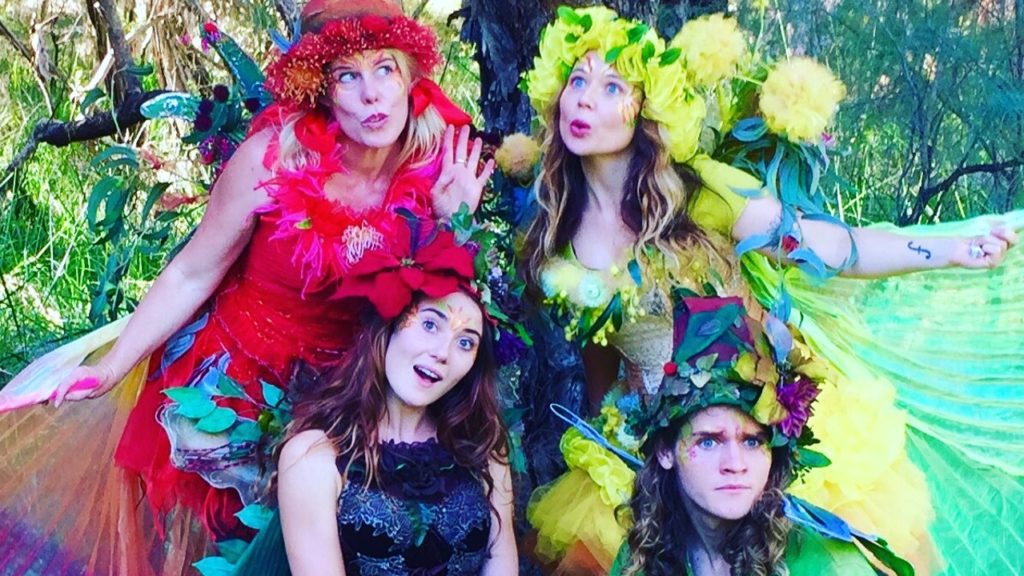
<point x="880" y="253"/>
<point x="504" y="557"/>
<point x="190" y="278"/>
<point x="308" y="487"/>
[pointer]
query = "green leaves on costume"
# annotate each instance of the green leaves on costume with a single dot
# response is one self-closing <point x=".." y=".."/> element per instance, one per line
<point x="255" y="516"/>
<point x="199" y="402"/>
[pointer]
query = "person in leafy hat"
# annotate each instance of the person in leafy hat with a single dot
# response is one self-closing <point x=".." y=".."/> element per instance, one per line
<point x="399" y="463"/>
<point x="356" y="132"/>
<point x="721" y="441"/>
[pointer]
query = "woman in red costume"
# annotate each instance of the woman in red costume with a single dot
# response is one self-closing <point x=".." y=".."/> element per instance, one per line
<point x="357" y="134"/>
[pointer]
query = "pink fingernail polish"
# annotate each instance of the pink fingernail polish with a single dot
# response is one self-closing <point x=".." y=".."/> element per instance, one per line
<point x="83" y="384"/>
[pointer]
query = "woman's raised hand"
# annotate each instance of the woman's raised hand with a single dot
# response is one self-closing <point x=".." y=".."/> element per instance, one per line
<point x="461" y="179"/>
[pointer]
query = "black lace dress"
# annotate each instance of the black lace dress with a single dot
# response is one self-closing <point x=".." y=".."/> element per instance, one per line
<point x="425" y="515"/>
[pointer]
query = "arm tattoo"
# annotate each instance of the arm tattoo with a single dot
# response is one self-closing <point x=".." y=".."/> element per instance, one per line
<point x="920" y="250"/>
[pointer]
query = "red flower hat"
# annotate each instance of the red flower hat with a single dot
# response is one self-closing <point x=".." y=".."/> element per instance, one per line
<point x="336" y="28"/>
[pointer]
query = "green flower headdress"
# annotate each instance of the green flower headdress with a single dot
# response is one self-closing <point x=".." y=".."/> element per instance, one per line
<point x="640" y="57"/>
<point x="722" y="356"/>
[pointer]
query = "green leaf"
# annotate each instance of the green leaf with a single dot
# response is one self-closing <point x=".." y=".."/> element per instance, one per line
<point x="243" y="68"/>
<point x="114" y="156"/>
<point x="706" y="363"/>
<point x="613" y="54"/>
<point x="140" y="70"/>
<point x="98" y="196"/>
<point x="669" y="56"/>
<point x="246" y="431"/>
<point x="604" y="317"/>
<point x="587" y="22"/>
<point x="155" y="192"/>
<point x="634" y="272"/>
<point x="700" y="379"/>
<point x="636" y="33"/>
<point x="229" y="388"/>
<point x="568" y="14"/>
<point x="198" y="409"/>
<point x="523" y="334"/>
<point x="217" y="421"/>
<point x="812" y="458"/>
<point x="255" y="516"/>
<point x="92" y="96"/>
<point x="272" y="395"/>
<point x="214" y="566"/>
<point x="185" y="395"/>
<point x="648" y="51"/>
<point x="572" y="38"/>
<point x="232" y="550"/>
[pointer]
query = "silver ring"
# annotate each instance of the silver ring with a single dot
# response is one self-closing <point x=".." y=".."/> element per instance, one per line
<point x="461" y="160"/>
<point x="975" y="251"/>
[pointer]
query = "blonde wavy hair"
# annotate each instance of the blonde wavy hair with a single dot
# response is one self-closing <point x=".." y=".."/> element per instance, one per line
<point x="755" y="546"/>
<point x="654" y="205"/>
<point x="422" y="137"/>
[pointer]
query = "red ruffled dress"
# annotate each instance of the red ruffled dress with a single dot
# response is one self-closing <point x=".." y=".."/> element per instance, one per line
<point x="272" y="311"/>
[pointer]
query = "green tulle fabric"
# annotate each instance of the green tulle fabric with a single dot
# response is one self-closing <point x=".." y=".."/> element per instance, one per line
<point x="952" y="343"/>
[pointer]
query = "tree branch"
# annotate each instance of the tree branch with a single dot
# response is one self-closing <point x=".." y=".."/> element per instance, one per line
<point x="129" y="83"/>
<point x="17" y="43"/>
<point x="931" y="192"/>
<point x="127" y="114"/>
<point x="289" y="14"/>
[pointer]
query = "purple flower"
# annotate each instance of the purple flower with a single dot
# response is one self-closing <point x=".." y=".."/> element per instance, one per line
<point x="221" y="93"/>
<point x="205" y="106"/>
<point x="252" y="104"/>
<point x="796" y="397"/>
<point x="203" y="123"/>
<point x="226" y="147"/>
<point x="508" y="348"/>
<point x="208" y="151"/>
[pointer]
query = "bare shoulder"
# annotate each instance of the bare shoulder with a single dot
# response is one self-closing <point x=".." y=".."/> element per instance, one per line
<point x="254" y="147"/>
<point x="307" y="448"/>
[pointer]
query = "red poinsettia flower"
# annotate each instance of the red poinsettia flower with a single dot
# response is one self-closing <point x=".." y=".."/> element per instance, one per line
<point x="428" y="262"/>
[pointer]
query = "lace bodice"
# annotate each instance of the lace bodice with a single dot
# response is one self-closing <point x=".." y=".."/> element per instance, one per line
<point x="424" y="516"/>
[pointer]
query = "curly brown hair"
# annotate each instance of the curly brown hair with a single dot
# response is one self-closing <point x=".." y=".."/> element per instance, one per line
<point x="349" y="403"/>
<point x="755" y="546"/>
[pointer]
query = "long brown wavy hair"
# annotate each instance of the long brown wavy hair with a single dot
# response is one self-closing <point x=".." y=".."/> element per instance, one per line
<point x="349" y="404"/>
<point x="755" y="546"/>
<point x="653" y="206"/>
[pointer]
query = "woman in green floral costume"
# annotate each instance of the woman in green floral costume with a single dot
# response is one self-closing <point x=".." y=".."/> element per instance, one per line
<point x="632" y="208"/>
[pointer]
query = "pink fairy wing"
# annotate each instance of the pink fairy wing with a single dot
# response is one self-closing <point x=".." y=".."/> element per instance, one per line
<point x="38" y="381"/>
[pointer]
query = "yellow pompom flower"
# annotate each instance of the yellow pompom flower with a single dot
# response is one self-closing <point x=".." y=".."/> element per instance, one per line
<point x="711" y="47"/>
<point x="517" y="156"/>
<point x="799" y="99"/>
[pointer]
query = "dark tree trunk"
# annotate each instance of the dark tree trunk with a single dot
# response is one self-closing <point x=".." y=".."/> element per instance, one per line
<point x="505" y="34"/>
